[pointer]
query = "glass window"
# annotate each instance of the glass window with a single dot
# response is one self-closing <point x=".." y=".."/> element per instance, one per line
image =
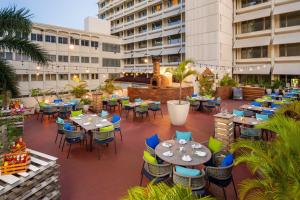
<point x="63" y="77"/>
<point x="142" y="60"/>
<point x="129" y="61"/>
<point x="129" y="47"/>
<point x="85" y="43"/>
<point x="74" y="59"/>
<point x="74" y="41"/>
<point x="8" y="55"/>
<point x="156" y="25"/>
<point x="174" y="58"/>
<point x="108" y="62"/>
<point x="256" y="25"/>
<point x="142" y="29"/>
<point x="94" y="44"/>
<point x="85" y="77"/>
<point x="130" y="18"/>
<point x="94" y="60"/>
<point x="130" y="32"/>
<point x="247" y="3"/>
<point x="62" y="40"/>
<point x="63" y="58"/>
<point x="23" y="77"/>
<point x="254" y="52"/>
<point x="94" y="76"/>
<point x="142" y="13"/>
<point x="174" y="20"/>
<point x="52" y="58"/>
<point x="171" y="3"/>
<point x="287" y="50"/>
<point x="111" y="47"/>
<point x="290" y="19"/>
<point x="157" y="42"/>
<point x="50" y="38"/>
<point x="142" y="44"/>
<point x="50" y="77"/>
<point x="85" y="60"/>
<point x="156" y="8"/>
<point x="174" y="39"/>
<point x="35" y="77"/>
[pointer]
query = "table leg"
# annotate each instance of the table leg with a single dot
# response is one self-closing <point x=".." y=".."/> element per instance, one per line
<point x="200" y="106"/>
<point x="91" y="141"/>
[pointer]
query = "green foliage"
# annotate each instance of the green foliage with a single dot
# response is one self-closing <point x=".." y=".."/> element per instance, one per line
<point x="36" y="92"/>
<point x="109" y="87"/>
<point x="16" y="25"/>
<point x="162" y="191"/>
<point x="79" y="89"/>
<point x="181" y="72"/>
<point x="86" y="101"/>
<point x="291" y="110"/>
<point x="277" y="84"/>
<point x="275" y="163"/>
<point x="228" y="81"/>
<point x="206" y="85"/>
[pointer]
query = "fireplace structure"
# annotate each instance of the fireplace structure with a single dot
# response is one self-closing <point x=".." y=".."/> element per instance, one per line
<point x="156" y="80"/>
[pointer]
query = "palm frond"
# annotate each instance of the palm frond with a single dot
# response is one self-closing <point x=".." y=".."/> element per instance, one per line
<point x="8" y="78"/>
<point x="252" y="189"/>
<point x="24" y="46"/>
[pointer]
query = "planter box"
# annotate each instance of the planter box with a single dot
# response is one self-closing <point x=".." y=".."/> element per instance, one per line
<point x="225" y="92"/>
<point x="252" y="93"/>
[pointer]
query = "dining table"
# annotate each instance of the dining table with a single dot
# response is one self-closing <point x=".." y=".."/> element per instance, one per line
<point x="90" y="122"/>
<point x="198" y="153"/>
<point x="249" y="121"/>
<point x="201" y="100"/>
<point x="256" y="108"/>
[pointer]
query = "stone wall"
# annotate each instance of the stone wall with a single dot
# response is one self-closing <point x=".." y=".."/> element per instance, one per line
<point x="160" y="94"/>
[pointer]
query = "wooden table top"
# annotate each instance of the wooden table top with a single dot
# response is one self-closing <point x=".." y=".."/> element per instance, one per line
<point x="91" y="121"/>
<point x="176" y="159"/>
<point x="246" y="120"/>
<point x="256" y="108"/>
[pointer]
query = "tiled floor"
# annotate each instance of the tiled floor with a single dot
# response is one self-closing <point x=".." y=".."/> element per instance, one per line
<point x="83" y="176"/>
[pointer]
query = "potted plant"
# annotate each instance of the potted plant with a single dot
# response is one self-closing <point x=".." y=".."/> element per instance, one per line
<point x="277" y="85"/>
<point x="79" y="89"/>
<point x="109" y="87"/>
<point x="225" y="89"/>
<point x="178" y="109"/>
<point x="268" y="87"/>
<point x="86" y="104"/>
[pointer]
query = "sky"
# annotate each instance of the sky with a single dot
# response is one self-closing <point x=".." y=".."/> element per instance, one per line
<point x="67" y="13"/>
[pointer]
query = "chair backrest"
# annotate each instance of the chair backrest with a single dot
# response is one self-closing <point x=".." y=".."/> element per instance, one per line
<point x="104" y="133"/>
<point x="60" y="125"/>
<point x="104" y="114"/>
<point x="116" y="120"/>
<point x="267" y="112"/>
<point x="262" y="117"/>
<point x="154" y="106"/>
<point x="65" y="108"/>
<point x="76" y="113"/>
<point x="158" y="170"/>
<point x="238" y="113"/>
<point x="113" y="102"/>
<point x="211" y="102"/>
<point x="274" y="105"/>
<point x="125" y="102"/>
<point x="251" y="133"/>
<point x="141" y="108"/>
<point x="73" y="134"/>
<point x="137" y="100"/>
<point x="219" y="173"/>
<point x="49" y="109"/>
<point x="194" y="182"/>
<point x="257" y="104"/>
<point x="248" y="113"/>
<point x="183" y="135"/>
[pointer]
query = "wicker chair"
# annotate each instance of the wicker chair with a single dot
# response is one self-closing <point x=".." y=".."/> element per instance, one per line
<point x="150" y="150"/>
<point x="210" y="105"/>
<point x="193" y="182"/>
<point x="104" y="138"/>
<point x="220" y="176"/>
<point x="159" y="172"/>
<point x="155" y="107"/>
<point x="49" y="111"/>
<point x="251" y="133"/>
<point x="113" y="103"/>
<point x="60" y="131"/>
<point x="141" y="110"/>
<point x="64" y="111"/>
<point x="117" y="128"/>
<point x="73" y="137"/>
<point x="194" y="103"/>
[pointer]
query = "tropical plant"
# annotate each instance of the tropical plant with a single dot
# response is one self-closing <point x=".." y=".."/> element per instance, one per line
<point x="206" y="85"/>
<point x="227" y="81"/>
<point x="277" y="84"/>
<point x="15" y="27"/>
<point x="86" y="101"/>
<point x="162" y="191"/>
<point x="180" y="73"/>
<point x="36" y="92"/>
<point x="78" y="89"/>
<point x="276" y="164"/>
<point x="109" y="87"/>
<point x="291" y="110"/>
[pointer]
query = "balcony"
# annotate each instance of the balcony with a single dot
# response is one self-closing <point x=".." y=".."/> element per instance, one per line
<point x="254" y="7"/>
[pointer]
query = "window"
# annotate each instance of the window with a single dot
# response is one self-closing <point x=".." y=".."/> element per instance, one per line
<point x="129" y="4"/>
<point x="156" y="25"/>
<point x="142" y="44"/>
<point x="85" y="77"/>
<point x="63" y="58"/>
<point x="50" y="77"/>
<point x="62" y="40"/>
<point x="35" y="77"/>
<point x="6" y="55"/>
<point x="21" y="57"/>
<point x="94" y="44"/>
<point x="174" y="39"/>
<point x="129" y="47"/>
<point x="94" y="60"/>
<point x="129" y="61"/>
<point x="287" y="50"/>
<point x="156" y="8"/>
<point x="94" y="76"/>
<point x="130" y="32"/>
<point x="247" y="3"/>
<point x="52" y="58"/>
<point x="130" y="18"/>
<point x="50" y="38"/>
<point x="174" y="58"/>
<point x="142" y="60"/>
<point x="63" y="77"/>
<point x="157" y="42"/>
<point x="256" y="25"/>
<point x="142" y="13"/>
<point x="174" y="20"/>
<point x="85" y="43"/>
<point x="255" y="52"/>
<point x="85" y="60"/>
<point x="108" y="62"/>
<point x="74" y="59"/>
<point x="36" y="37"/>
<point x="290" y="19"/>
<point x="74" y="41"/>
<point x="23" y="77"/>
<point x="142" y="29"/>
<point x="171" y="3"/>
<point x="111" y="47"/>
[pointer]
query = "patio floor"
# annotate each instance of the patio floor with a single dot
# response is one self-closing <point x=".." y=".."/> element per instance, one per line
<point x="83" y="176"/>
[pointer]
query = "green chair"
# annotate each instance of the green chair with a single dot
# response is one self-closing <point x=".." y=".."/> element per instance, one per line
<point x="76" y="113"/>
<point x="126" y="107"/>
<point x="155" y="107"/>
<point x="112" y="103"/>
<point x="141" y="110"/>
<point x="194" y="103"/>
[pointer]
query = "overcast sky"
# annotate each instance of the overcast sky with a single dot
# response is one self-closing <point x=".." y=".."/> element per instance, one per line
<point x="68" y="13"/>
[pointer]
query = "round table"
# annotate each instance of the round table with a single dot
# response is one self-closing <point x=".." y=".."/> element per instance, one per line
<point x="176" y="159"/>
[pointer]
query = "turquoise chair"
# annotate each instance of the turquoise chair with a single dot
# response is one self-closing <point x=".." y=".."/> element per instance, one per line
<point x="238" y="113"/>
<point x="116" y="120"/>
<point x="262" y="117"/>
<point x="183" y="135"/>
<point x="257" y="104"/>
<point x="137" y="100"/>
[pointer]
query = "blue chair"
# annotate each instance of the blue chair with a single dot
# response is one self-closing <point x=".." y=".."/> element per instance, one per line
<point x="262" y="117"/>
<point x="238" y="113"/>
<point x="116" y="120"/>
<point x="275" y="106"/>
<point x="73" y="136"/>
<point x="137" y="100"/>
<point x="194" y="95"/>
<point x="267" y="112"/>
<point x="104" y="114"/>
<point x="183" y="135"/>
<point x="57" y="101"/>
<point x="210" y="105"/>
<point x="257" y="104"/>
<point x="155" y="107"/>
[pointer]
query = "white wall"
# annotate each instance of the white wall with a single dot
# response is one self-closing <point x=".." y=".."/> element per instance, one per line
<point x="95" y="25"/>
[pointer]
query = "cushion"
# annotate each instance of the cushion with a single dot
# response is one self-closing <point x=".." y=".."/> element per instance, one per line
<point x="68" y="127"/>
<point x="254" y="103"/>
<point x="152" y="141"/>
<point x="125" y="102"/>
<point x="238" y="113"/>
<point x="227" y="161"/>
<point x="183" y="135"/>
<point x="60" y="120"/>
<point x="187" y="172"/>
<point x="107" y="128"/>
<point x="214" y="145"/>
<point x="137" y="100"/>
<point x="57" y="101"/>
<point x="194" y="95"/>
<point x="149" y="158"/>
<point x="104" y="113"/>
<point x="262" y="117"/>
<point x="76" y="113"/>
<point x="115" y="118"/>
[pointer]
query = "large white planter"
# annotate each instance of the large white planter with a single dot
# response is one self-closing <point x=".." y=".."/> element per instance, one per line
<point x="269" y="91"/>
<point x="178" y="112"/>
<point x="276" y="91"/>
<point x="86" y="108"/>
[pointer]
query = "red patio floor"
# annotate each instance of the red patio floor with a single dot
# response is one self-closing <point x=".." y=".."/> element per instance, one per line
<point x="83" y="176"/>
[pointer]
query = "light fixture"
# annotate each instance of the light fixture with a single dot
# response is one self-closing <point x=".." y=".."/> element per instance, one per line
<point x="71" y="47"/>
<point x="104" y="76"/>
<point x="87" y="70"/>
<point x="146" y="60"/>
<point x="264" y="66"/>
<point x="258" y="67"/>
<point x="47" y="101"/>
<point x="38" y="67"/>
<point x="250" y="69"/>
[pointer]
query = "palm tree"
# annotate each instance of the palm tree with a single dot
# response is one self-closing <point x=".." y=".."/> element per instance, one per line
<point x="15" y="27"/>
<point x="162" y="191"/>
<point x="180" y="73"/>
<point x="276" y="164"/>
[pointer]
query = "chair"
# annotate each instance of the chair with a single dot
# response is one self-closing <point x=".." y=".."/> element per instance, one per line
<point x="261" y="117"/>
<point x="156" y="172"/>
<point x="248" y="113"/>
<point x="218" y="103"/>
<point x="141" y="110"/>
<point x="137" y="100"/>
<point x="76" y="113"/>
<point x="180" y="135"/>
<point x="57" y="100"/>
<point x="116" y="120"/>
<point x="193" y="182"/>
<point x="104" y="136"/>
<point x="220" y="176"/>
<point x="73" y="137"/>
<point x="267" y="112"/>
<point x="150" y="143"/>
<point x="112" y="103"/>
<point x="275" y="106"/>
<point x="238" y="113"/>
<point x="193" y="103"/>
<point x="210" y="105"/>
<point x="251" y="133"/>
<point x="126" y="107"/>
<point x="64" y="111"/>
<point x="104" y="102"/>
<point x="104" y="114"/>
<point x="257" y="104"/>
<point x="60" y="130"/>
<point x="49" y="111"/>
<point x="155" y="107"/>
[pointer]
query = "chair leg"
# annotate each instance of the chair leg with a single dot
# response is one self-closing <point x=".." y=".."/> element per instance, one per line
<point x="224" y="192"/>
<point x="115" y="145"/>
<point x="121" y="135"/>
<point x="60" y="140"/>
<point x="69" y="151"/>
<point x="141" y="181"/>
<point x="234" y="188"/>
<point x="162" y="115"/>
<point x="62" y="149"/>
<point x="98" y="150"/>
<point x="154" y="114"/>
<point x="56" y="137"/>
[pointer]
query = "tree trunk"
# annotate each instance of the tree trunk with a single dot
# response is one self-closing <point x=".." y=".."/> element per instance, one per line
<point x="180" y="92"/>
<point x="4" y="140"/>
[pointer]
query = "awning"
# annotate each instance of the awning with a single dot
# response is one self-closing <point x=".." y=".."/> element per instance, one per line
<point x="253" y="15"/>
<point x="252" y="69"/>
<point x="286" y="38"/>
<point x="286" y="8"/>
<point x="252" y="42"/>
<point x="287" y="68"/>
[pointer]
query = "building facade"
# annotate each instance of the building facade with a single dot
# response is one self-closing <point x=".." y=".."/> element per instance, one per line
<point x="73" y="54"/>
